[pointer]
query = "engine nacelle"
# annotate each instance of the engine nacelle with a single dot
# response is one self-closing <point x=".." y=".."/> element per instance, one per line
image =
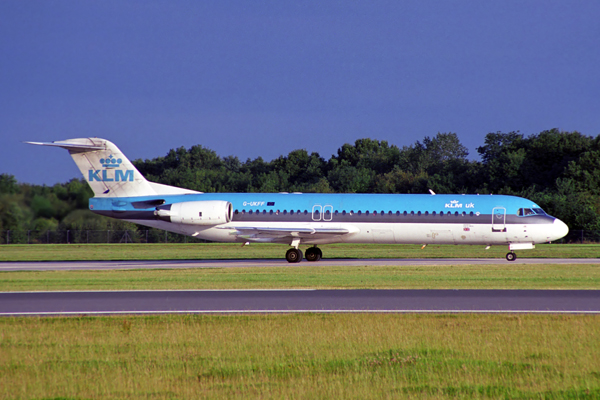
<point x="210" y="212"/>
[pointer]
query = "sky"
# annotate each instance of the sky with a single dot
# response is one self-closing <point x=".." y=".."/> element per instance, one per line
<point x="263" y="78"/>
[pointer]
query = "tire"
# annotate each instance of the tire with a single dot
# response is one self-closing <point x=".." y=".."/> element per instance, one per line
<point x="511" y="256"/>
<point x="293" y="256"/>
<point x="313" y="254"/>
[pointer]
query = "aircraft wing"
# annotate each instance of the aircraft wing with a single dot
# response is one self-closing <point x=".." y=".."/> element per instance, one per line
<point x="285" y="234"/>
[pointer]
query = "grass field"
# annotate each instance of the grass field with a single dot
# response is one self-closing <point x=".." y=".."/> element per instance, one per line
<point x="504" y="276"/>
<point x="209" y="251"/>
<point x="302" y="356"/>
<point x="305" y="275"/>
<point x="321" y="356"/>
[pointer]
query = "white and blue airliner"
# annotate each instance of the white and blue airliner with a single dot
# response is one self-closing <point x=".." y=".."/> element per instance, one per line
<point x="295" y="219"/>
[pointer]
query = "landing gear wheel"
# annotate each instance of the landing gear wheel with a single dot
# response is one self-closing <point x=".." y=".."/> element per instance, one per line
<point x="293" y="256"/>
<point x="511" y="256"/>
<point x="313" y="254"/>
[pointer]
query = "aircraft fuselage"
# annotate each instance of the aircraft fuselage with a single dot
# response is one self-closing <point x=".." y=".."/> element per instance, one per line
<point x="368" y="218"/>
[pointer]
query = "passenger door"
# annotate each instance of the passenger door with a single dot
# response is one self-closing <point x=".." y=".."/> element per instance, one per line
<point x="499" y="219"/>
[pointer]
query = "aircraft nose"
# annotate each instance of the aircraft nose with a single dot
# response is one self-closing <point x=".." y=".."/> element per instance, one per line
<point x="559" y="229"/>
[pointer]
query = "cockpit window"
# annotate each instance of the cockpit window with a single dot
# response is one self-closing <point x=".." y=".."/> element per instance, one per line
<point x="523" y="212"/>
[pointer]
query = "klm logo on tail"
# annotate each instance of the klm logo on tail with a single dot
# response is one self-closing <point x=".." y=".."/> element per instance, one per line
<point x="106" y="175"/>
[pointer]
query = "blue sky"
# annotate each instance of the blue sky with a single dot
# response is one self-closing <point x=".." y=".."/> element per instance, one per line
<point x="263" y="78"/>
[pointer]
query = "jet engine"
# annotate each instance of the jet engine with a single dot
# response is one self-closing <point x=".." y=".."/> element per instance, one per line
<point x="213" y="212"/>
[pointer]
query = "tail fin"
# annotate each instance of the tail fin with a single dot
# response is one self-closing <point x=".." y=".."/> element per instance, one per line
<point x="108" y="172"/>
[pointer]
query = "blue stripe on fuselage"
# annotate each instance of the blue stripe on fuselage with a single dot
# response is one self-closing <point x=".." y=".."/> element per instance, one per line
<point x="483" y="204"/>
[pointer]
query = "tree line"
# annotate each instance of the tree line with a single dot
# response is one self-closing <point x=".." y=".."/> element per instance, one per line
<point x="558" y="170"/>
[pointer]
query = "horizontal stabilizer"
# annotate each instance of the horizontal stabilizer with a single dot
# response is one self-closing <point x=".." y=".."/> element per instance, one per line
<point x="69" y="146"/>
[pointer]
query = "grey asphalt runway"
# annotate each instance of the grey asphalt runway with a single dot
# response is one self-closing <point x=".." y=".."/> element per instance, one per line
<point x="285" y="301"/>
<point x="271" y="301"/>
<point x="166" y="264"/>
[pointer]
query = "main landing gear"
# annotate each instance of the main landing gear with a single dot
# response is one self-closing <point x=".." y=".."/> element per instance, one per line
<point x="295" y="255"/>
<point x="511" y="256"/>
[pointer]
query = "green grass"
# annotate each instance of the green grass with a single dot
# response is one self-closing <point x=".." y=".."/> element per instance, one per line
<point x="306" y="275"/>
<point x="210" y="251"/>
<point x="322" y="356"/>
<point x="317" y="356"/>
<point x="503" y="276"/>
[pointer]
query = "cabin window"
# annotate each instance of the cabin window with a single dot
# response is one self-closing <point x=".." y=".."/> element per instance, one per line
<point x="236" y="212"/>
<point x="471" y="214"/>
<point x="419" y="213"/>
<point x="359" y="212"/>
<point x="336" y="212"/>
<point x="433" y="213"/>
<point x="367" y="213"/>
<point x="271" y="212"/>
<point x="412" y="213"/>
<point x="426" y="212"/>
<point x="344" y="212"/>
<point x="292" y="212"/>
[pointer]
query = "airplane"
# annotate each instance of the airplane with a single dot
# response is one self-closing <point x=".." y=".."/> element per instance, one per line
<point x="295" y="219"/>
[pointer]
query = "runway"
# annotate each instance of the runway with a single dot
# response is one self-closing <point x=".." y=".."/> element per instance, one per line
<point x="170" y="264"/>
<point x="292" y="301"/>
<point x="299" y="301"/>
